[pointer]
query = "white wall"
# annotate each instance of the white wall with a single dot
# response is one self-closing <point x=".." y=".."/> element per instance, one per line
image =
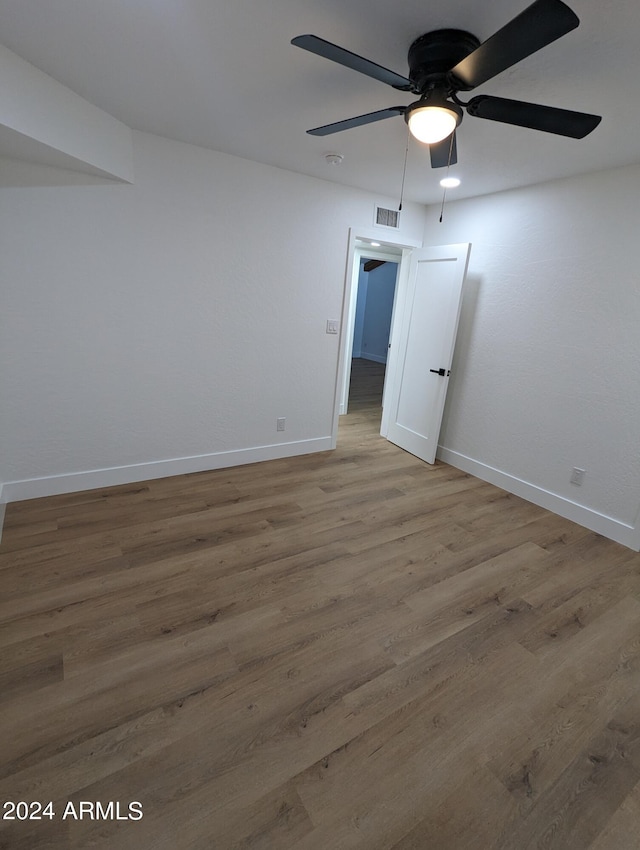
<point x="374" y="309"/>
<point x="547" y="366"/>
<point x="381" y="287"/>
<point x="43" y="121"/>
<point x="169" y="322"/>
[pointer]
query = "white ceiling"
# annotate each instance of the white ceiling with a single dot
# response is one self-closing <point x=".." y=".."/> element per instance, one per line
<point x="222" y="74"/>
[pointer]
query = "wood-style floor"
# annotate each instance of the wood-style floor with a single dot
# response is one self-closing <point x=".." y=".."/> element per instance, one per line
<point x="345" y="650"/>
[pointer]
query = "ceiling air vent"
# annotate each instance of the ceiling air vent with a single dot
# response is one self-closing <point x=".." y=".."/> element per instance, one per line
<point x="387" y="218"/>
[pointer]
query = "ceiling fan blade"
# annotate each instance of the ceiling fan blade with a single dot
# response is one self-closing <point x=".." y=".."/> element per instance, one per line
<point x="538" y="25"/>
<point x="317" y="45"/>
<point x="358" y="121"/>
<point x="549" y="119"/>
<point x="439" y="152"/>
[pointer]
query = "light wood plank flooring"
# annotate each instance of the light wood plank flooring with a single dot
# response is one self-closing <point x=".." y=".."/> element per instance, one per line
<point x="345" y="650"/>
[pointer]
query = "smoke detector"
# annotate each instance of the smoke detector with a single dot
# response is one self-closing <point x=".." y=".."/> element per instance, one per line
<point x="333" y="158"/>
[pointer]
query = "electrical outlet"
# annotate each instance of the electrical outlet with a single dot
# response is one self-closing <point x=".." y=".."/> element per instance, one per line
<point x="280" y="423"/>
<point x="577" y="476"/>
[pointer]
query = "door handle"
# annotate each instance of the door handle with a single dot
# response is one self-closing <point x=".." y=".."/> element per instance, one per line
<point x="442" y="372"/>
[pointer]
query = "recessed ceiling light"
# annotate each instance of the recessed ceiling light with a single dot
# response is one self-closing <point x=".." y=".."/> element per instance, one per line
<point x="449" y="182"/>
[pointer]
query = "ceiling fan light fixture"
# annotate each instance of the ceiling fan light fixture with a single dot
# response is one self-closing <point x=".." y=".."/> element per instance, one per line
<point x="432" y="121"/>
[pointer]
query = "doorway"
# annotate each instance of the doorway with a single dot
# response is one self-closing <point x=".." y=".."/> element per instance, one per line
<point x="424" y="321"/>
<point x="364" y="244"/>
<point x="377" y="279"/>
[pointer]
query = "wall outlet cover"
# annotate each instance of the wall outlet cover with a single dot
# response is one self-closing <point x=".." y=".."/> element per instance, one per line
<point x="577" y="476"/>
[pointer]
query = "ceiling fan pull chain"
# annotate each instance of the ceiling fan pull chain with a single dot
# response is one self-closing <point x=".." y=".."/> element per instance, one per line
<point x="404" y="171"/>
<point x="444" y="194"/>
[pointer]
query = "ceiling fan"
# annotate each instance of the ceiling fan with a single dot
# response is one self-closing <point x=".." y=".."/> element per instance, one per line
<point x="447" y="61"/>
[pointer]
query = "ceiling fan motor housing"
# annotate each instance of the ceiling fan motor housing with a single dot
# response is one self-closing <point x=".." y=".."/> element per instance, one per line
<point x="434" y="54"/>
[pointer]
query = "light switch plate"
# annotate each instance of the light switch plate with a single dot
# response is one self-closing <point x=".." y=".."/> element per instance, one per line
<point x="332" y="326"/>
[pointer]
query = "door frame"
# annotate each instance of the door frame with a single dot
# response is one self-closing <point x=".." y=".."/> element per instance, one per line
<point x="349" y="299"/>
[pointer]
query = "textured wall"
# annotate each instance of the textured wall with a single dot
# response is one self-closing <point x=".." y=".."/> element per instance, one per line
<point x="547" y="365"/>
<point x="176" y="317"/>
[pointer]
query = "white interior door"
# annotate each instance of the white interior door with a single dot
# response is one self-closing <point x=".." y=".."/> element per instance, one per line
<point x="421" y="348"/>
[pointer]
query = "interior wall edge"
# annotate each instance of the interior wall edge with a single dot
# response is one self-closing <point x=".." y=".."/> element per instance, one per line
<point x="55" y="485"/>
<point x="607" y="526"/>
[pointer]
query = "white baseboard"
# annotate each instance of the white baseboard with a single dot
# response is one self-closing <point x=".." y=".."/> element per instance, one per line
<point x="34" y="488"/>
<point x="54" y="485"/>
<point x="607" y="526"/>
<point x="377" y="358"/>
